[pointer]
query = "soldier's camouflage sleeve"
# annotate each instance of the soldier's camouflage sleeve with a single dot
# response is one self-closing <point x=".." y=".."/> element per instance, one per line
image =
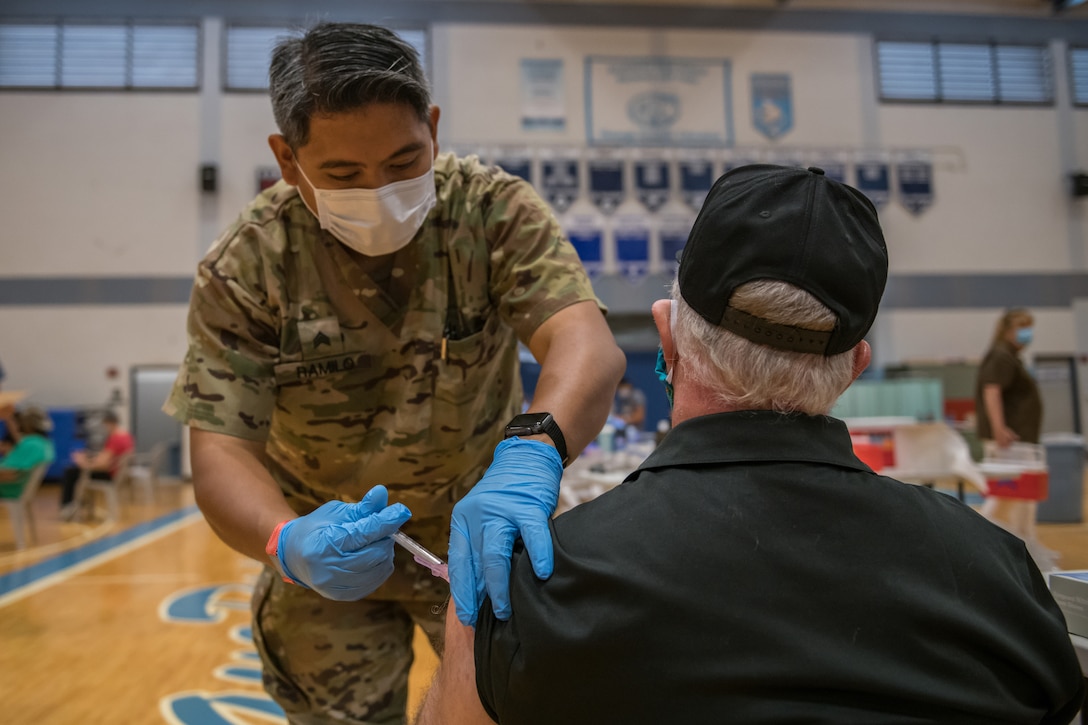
<point x="226" y="383"/>
<point x="535" y="269"/>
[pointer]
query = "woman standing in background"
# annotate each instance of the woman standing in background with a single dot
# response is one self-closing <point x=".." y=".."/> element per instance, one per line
<point x="1010" y="410"/>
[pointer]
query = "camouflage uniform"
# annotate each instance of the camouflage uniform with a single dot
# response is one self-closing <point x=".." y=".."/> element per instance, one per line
<point x="350" y="382"/>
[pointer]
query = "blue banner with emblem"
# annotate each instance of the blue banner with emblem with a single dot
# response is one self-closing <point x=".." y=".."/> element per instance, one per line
<point x="586" y="235"/>
<point x="559" y="182"/>
<point x="652" y="183"/>
<point x="772" y="104"/>
<point x="873" y="181"/>
<point x="832" y="169"/>
<point x="696" y="178"/>
<point x="631" y="232"/>
<point x="915" y="180"/>
<point x="516" y="164"/>
<point x="606" y="187"/>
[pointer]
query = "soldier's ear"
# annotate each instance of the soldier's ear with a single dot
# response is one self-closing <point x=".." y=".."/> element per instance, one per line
<point x="285" y="158"/>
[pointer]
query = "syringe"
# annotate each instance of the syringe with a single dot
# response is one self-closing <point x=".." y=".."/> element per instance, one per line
<point x="422" y="556"/>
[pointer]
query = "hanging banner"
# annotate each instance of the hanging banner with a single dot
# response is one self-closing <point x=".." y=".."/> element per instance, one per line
<point x="873" y="181"/>
<point x="586" y="234"/>
<point x="658" y="101"/>
<point x="832" y="169"/>
<point x="652" y="183"/>
<point x="772" y="104"/>
<point x="674" y="226"/>
<point x="631" y="232"/>
<point x="915" y="180"/>
<point x="559" y="182"/>
<point x="696" y="178"/>
<point x="516" y="163"/>
<point x="542" y="103"/>
<point x="606" y="187"/>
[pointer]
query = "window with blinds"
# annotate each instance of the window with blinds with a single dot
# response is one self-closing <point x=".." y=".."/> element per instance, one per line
<point x="1078" y="75"/>
<point x="249" y="53"/>
<point x="964" y="73"/>
<point x="127" y="55"/>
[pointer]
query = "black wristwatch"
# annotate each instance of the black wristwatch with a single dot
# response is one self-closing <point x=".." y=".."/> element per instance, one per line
<point x="531" y="424"/>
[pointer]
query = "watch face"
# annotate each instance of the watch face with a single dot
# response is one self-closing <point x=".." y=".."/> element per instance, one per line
<point x="526" y="423"/>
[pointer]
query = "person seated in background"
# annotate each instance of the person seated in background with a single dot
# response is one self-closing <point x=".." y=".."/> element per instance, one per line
<point x="630" y="404"/>
<point x="752" y="569"/>
<point x="102" y="465"/>
<point x="29" y="430"/>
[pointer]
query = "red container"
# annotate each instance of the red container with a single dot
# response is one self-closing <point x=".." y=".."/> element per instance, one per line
<point x="1028" y="486"/>
<point x="874" y="455"/>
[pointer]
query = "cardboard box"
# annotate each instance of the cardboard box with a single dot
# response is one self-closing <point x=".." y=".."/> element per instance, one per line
<point x="1070" y="591"/>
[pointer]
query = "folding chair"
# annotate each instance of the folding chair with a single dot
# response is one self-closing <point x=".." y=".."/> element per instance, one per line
<point x="143" y="471"/>
<point x="110" y="489"/>
<point x="20" y="509"/>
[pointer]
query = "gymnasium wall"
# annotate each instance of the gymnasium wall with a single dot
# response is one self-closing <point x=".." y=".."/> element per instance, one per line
<point x="105" y="220"/>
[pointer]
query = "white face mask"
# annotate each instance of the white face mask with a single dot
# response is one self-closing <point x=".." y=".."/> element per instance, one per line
<point x="375" y="221"/>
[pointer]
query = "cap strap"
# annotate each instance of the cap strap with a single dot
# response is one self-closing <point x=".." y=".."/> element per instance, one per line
<point x="783" y="337"/>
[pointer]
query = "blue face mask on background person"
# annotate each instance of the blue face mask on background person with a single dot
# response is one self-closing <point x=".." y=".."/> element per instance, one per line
<point x="665" y="376"/>
<point x="1024" y="336"/>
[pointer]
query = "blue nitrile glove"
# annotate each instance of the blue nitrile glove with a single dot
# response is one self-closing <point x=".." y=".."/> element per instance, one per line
<point x="343" y="550"/>
<point x="518" y="493"/>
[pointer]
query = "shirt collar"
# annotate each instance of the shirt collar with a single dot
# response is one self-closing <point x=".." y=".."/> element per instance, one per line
<point x="756" y="436"/>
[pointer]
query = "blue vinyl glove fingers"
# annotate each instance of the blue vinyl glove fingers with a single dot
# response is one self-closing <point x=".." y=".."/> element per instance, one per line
<point x="375" y="500"/>
<point x="467" y="595"/>
<point x="496" y="566"/>
<point x="369" y="529"/>
<point x="341" y="550"/>
<point x="538" y="545"/>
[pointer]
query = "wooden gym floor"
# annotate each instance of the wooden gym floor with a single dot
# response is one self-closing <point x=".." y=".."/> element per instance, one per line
<point x="146" y="620"/>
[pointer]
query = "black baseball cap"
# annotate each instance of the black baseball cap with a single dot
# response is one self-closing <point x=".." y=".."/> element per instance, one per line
<point x="787" y="224"/>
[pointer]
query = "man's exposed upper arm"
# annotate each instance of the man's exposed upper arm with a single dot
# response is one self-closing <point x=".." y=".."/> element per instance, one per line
<point x="453" y="697"/>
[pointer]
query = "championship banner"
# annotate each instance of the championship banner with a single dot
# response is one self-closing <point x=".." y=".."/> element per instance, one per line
<point x="772" y="104"/>
<point x="873" y="181"/>
<point x="652" y="183"/>
<point x="606" y="187"/>
<point x="696" y="178"/>
<point x="674" y="226"/>
<point x="587" y="237"/>
<point x="656" y="101"/>
<point x="517" y="164"/>
<point x="915" y="179"/>
<point x="835" y="170"/>
<point x="559" y="182"/>
<point x="631" y="232"/>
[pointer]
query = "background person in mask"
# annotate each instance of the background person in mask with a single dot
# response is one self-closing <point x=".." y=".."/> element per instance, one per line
<point x="353" y="358"/>
<point x="753" y="570"/>
<point x="1008" y="409"/>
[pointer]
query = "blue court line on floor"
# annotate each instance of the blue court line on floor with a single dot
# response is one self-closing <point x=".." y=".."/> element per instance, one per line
<point x="20" y="578"/>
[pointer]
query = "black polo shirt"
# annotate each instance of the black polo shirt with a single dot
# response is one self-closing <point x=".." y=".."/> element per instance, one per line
<point x="752" y="570"/>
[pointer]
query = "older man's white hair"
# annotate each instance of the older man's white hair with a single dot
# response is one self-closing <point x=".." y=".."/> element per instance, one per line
<point x="744" y="375"/>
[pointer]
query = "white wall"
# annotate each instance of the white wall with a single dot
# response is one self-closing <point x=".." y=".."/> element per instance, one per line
<point x="106" y="184"/>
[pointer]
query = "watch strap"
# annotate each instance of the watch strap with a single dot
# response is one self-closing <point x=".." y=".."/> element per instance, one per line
<point x="551" y="428"/>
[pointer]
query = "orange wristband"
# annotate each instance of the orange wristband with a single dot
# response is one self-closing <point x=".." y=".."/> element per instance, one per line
<point x="272" y="549"/>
